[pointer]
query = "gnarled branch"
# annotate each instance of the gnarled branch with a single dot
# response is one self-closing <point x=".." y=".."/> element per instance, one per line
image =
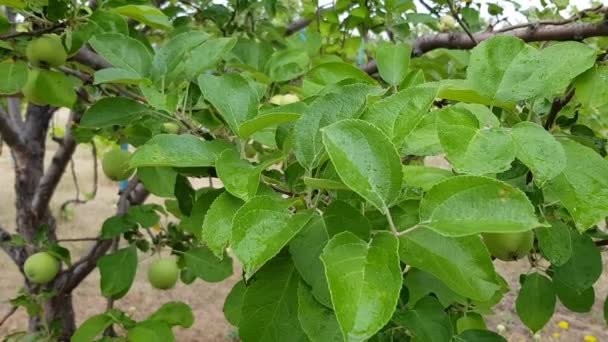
<point x="460" y="40"/>
<point x="134" y="194"/>
<point x="5" y="244"/>
<point x="9" y="131"/>
<point x="88" y="57"/>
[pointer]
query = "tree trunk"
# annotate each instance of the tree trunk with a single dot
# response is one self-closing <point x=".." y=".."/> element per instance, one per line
<point x="29" y="170"/>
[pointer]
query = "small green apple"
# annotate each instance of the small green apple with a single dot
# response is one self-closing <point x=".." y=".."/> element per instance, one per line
<point x="509" y="246"/>
<point x="163" y="273"/>
<point x="115" y="165"/>
<point x="40" y="268"/>
<point x="170" y="128"/>
<point x="46" y="51"/>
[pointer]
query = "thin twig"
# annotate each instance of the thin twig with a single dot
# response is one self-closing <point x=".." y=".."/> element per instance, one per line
<point x="78" y="239"/>
<point x="580" y="15"/>
<point x="556" y="106"/>
<point x="462" y="24"/>
<point x="601" y="243"/>
<point x="431" y="10"/>
<point x="77" y="200"/>
<point x="8" y="314"/>
<point x="34" y="33"/>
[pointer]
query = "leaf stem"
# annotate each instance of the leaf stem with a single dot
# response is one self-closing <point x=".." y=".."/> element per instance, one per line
<point x="412" y="229"/>
<point x="391" y="224"/>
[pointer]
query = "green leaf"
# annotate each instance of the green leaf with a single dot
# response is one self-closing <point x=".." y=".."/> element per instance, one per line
<point x="473" y="149"/>
<point x="334" y="72"/>
<point x="115" y="226"/>
<point x="555" y="243"/>
<point x="346" y="103"/>
<point x="340" y="216"/>
<point x="575" y="300"/>
<point x="150" y="331"/>
<point x="591" y="89"/>
<point x="305" y="249"/>
<point x="174" y="314"/>
<point x="14" y="3"/>
<point x="178" y="151"/>
<point x="584" y="268"/>
<point x="319" y="322"/>
<point x="270" y="306"/>
<point x="412" y="79"/>
<point x="203" y="201"/>
<point x="92" y="328"/>
<point x="365" y="160"/>
<point x="205" y="265"/>
<point x="321" y="183"/>
<point x="117" y="272"/>
<point x="217" y="227"/>
<point x="185" y="195"/>
<point x="423" y="140"/>
<point x="466" y="205"/>
<point x="479" y="336"/>
<point x="112" y="111"/>
<point x="399" y="114"/>
<point x="462" y="91"/>
<point x="13" y="76"/>
<point x="160" y="181"/>
<point x="232" y="96"/>
<point x="240" y="178"/>
<point x="117" y="75"/>
<point x="47" y="87"/>
<point x="170" y="60"/>
<point x="535" y="303"/>
<point x="207" y="55"/>
<point x="258" y="123"/>
<point x="463" y="263"/>
<point x="285" y="65"/>
<point x="533" y="144"/>
<point x="99" y="22"/>
<point x="234" y="303"/>
<point x="507" y="69"/>
<point x="427" y="321"/>
<point x="561" y="63"/>
<point x="499" y="66"/>
<point x="582" y="187"/>
<point x="123" y="52"/>
<point x="420" y="283"/>
<point x="424" y="177"/>
<point x="393" y="62"/>
<point x="145" y="214"/>
<point x="148" y="15"/>
<point x="261" y="228"/>
<point x="364" y="281"/>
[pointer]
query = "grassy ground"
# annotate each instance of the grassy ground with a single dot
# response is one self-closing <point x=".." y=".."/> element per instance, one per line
<point x="207" y="299"/>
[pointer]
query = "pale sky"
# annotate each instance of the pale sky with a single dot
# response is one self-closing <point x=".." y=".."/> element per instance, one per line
<point x="509" y="9"/>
